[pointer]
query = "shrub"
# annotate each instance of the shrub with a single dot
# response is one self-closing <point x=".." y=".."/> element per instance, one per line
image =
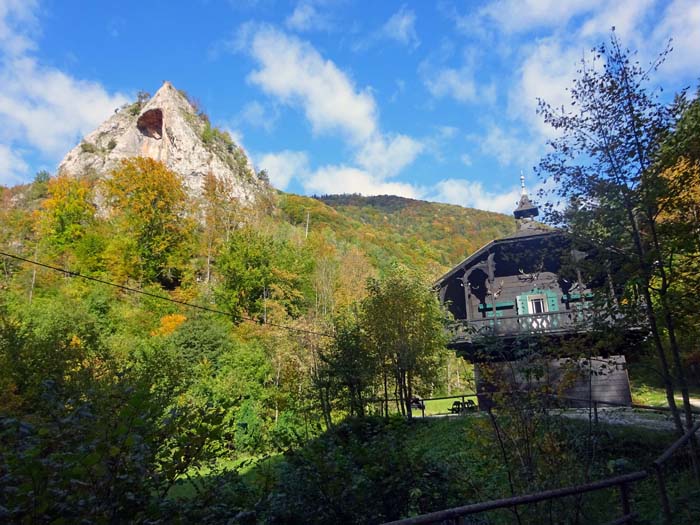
<point x="89" y="147"/>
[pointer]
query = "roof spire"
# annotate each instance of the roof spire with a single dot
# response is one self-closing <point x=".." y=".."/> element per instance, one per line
<point x="526" y="209"/>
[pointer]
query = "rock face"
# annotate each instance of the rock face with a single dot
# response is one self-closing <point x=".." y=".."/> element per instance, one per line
<point x="166" y="128"/>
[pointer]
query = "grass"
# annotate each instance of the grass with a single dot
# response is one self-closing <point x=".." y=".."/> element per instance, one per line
<point x="438" y="406"/>
<point x="255" y="471"/>
<point x="465" y="442"/>
<point x="646" y="386"/>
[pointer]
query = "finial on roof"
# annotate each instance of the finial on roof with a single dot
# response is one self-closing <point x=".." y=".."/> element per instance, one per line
<point x="526" y="209"/>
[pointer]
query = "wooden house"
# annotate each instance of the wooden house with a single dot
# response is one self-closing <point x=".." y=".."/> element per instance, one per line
<point x="523" y="292"/>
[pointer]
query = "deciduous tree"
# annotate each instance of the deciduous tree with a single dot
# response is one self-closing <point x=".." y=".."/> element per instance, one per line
<point x="148" y="206"/>
<point x="605" y="163"/>
<point x="404" y="323"/>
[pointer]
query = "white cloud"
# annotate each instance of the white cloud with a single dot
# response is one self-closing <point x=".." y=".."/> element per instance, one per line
<point x="626" y="16"/>
<point x="447" y="132"/>
<point x="523" y="15"/>
<point x="466" y="159"/>
<point x="39" y="104"/>
<point x="283" y="166"/>
<point x="18" y="24"/>
<point x="449" y="82"/>
<point x="294" y="72"/>
<point x="257" y="115"/>
<point x="306" y="17"/>
<point x="458" y="83"/>
<point x="680" y="20"/>
<point x="386" y="158"/>
<point x="12" y="167"/>
<point x="546" y="72"/>
<point x="473" y="195"/>
<point x="345" y="179"/>
<point x="508" y="148"/>
<point x="401" y="27"/>
<point x="42" y="109"/>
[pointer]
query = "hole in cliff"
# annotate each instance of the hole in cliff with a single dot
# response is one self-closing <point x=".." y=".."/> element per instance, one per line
<point x="151" y="123"/>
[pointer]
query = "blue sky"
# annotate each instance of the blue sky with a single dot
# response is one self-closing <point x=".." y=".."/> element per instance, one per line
<point x="432" y="100"/>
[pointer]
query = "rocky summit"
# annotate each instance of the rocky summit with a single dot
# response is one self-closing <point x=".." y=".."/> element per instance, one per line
<point x="168" y="128"/>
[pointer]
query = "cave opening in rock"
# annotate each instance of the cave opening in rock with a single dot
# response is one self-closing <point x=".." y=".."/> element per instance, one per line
<point x="150" y="123"/>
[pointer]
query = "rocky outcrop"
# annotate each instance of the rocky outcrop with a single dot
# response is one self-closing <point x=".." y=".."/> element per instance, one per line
<point x="169" y="129"/>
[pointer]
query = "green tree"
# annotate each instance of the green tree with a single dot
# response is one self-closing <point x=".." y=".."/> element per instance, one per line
<point x="260" y="275"/>
<point x="605" y="163"/>
<point x="67" y="213"/>
<point x="349" y="366"/>
<point x="148" y="206"/>
<point x="404" y="322"/>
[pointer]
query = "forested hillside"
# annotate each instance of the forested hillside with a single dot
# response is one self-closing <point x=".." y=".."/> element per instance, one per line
<point x="445" y="232"/>
<point x="174" y="353"/>
<point x="427" y="235"/>
<point x="285" y="331"/>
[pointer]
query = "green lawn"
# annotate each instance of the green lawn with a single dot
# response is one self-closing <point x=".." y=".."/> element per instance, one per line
<point x="647" y="387"/>
<point x="442" y="406"/>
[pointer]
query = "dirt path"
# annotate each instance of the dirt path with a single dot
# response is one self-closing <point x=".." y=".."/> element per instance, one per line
<point x="624" y="416"/>
<point x="693" y="401"/>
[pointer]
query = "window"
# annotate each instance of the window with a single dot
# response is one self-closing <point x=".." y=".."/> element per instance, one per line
<point x="537" y="304"/>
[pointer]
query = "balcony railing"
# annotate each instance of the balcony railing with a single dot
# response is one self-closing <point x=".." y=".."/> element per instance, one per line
<point x="550" y="322"/>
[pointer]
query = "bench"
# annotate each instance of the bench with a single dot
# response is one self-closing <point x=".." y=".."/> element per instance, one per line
<point x="459" y="407"/>
<point x="417" y="403"/>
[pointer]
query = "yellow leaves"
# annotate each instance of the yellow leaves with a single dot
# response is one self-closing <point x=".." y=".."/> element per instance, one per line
<point x="149" y="210"/>
<point x="168" y="324"/>
<point x="67" y="211"/>
<point x="75" y="342"/>
<point x="682" y="200"/>
<point x="146" y="186"/>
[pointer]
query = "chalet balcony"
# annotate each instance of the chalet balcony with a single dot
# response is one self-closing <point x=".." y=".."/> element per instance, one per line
<point x="529" y="324"/>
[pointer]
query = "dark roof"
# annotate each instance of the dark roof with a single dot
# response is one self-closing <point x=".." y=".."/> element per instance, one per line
<point x="525" y="208"/>
<point x="521" y="235"/>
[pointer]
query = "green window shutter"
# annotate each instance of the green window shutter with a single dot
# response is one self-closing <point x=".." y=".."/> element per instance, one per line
<point x="521" y="302"/>
<point x="552" y="301"/>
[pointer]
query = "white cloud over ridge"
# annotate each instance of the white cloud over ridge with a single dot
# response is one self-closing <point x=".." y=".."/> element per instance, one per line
<point x="295" y="73"/>
<point x="283" y="166"/>
<point x="473" y="194"/>
<point x="347" y="179"/>
<point x="38" y="106"/>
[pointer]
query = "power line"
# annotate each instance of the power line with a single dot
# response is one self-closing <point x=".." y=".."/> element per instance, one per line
<point x="161" y="297"/>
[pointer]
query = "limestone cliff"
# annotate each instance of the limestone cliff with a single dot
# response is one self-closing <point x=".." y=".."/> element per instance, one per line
<point x="169" y="129"/>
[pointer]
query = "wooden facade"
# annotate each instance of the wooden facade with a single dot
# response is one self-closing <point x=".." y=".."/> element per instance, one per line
<point x="520" y="293"/>
<point x="520" y="285"/>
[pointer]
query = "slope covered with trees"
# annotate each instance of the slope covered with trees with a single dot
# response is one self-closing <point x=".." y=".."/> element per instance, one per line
<point x="171" y="341"/>
<point x="113" y="390"/>
<point x="426" y="231"/>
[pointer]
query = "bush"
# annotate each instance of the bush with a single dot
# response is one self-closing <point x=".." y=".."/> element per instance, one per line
<point x="361" y="473"/>
<point x="89" y="147"/>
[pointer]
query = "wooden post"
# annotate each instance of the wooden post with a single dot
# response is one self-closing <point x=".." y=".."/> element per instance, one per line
<point x="663" y="494"/>
<point x="625" y="498"/>
<point x="595" y="412"/>
<point x="467" y="294"/>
